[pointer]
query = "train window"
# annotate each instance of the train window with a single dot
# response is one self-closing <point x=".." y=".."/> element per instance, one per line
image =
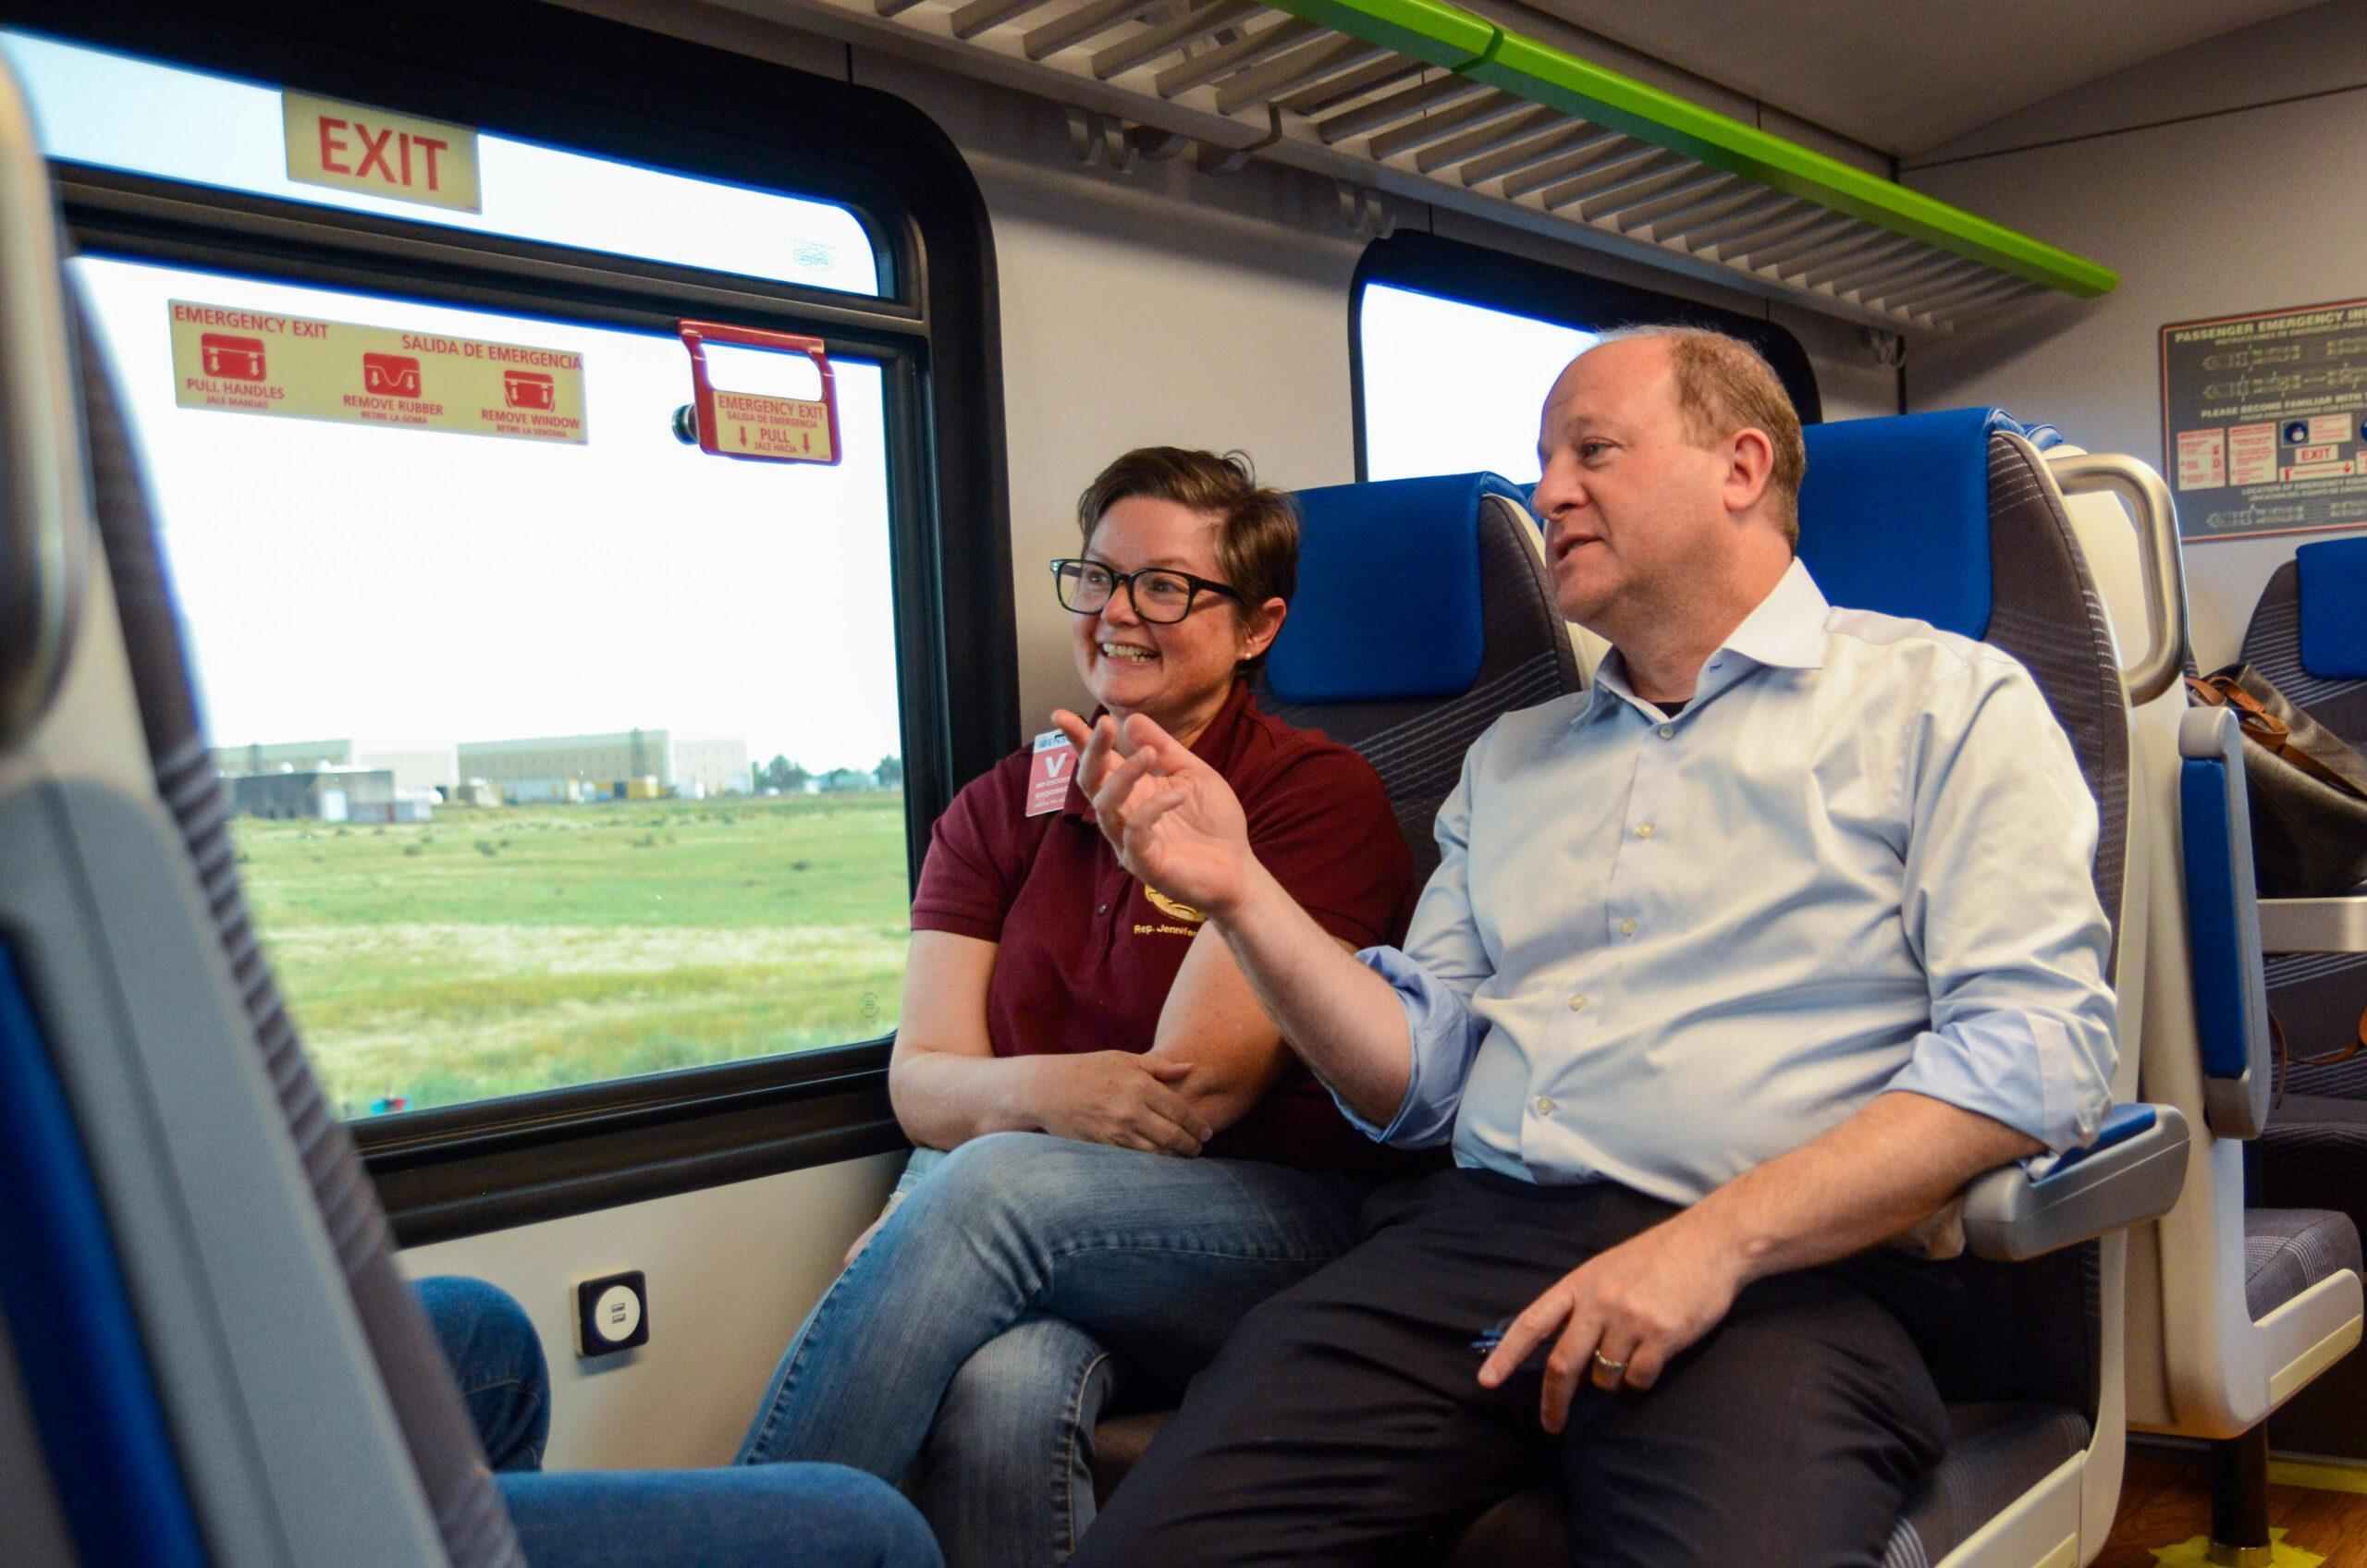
<point x="539" y="778"/>
<point x="114" y="111"/>
<point x="1415" y="345"/>
<point x="579" y="776"/>
<point x="1431" y="314"/>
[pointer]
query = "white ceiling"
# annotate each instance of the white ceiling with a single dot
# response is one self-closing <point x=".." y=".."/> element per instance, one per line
<point x="1904" y="76"/>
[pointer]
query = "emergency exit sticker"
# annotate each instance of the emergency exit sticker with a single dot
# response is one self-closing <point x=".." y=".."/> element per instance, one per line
<point x="747" y="425"/>
<point x="353" y="147"/>
<point x="750" y="424"/>
<point x="262" y="362"/>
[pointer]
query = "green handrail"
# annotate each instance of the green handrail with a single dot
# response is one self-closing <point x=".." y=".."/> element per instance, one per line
<point x="1452" y="39"/>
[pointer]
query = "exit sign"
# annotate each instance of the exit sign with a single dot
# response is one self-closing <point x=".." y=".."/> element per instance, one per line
<point x="353" y="147"/>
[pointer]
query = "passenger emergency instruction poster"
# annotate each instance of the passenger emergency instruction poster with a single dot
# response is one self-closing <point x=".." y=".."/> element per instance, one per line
<point x="2265" y="420"/>
<point x="260" y="362"/>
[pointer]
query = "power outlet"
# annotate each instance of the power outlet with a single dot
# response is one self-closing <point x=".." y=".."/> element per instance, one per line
<point x="611" y="1313"/>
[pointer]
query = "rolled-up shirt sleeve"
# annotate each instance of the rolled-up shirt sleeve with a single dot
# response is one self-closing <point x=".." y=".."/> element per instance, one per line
<point x="2000" y="906"/>
<point x="1445" y="1034"/>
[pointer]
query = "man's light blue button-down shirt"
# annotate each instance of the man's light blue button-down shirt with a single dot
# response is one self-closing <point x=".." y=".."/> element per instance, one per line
<point x="1665" y="950"/>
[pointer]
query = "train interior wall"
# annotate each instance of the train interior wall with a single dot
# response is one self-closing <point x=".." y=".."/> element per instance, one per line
<point x="1162" y="304"/>
<point x="2215" y="181"/>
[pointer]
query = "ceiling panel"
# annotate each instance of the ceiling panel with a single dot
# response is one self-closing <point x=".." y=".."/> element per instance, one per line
<point x="1431" y="102"/>
<point x="1905" y="77"/>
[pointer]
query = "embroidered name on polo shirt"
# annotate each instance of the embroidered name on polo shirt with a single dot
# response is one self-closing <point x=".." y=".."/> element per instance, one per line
<point x="1190" y="918"/>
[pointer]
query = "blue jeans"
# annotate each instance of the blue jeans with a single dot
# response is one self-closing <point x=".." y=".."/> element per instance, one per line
<point x="797" y="1516"/>
<point x="991" y="1303"/>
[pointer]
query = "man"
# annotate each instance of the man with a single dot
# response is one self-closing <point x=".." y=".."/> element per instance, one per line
<point x="1735" y="968"/>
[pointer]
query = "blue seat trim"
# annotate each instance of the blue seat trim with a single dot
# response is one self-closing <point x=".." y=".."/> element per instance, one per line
<point x="2205" y="828"/>
<point x="2121" y="1123"/>
<point x="1870" y="549"/>
<point x="1388" y="605"/>
<point x="2333" y="608"/>
<point x="85" y="1372"/>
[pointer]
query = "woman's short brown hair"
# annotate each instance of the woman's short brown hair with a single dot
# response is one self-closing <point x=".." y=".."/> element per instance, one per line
<point x="1256" y="527"/>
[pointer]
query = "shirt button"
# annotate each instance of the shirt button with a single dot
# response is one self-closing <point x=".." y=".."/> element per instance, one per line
<point x="1103" y="910"/>
<point x="1643" y="831"/>
<point x="1668" y="731"/>
<point x="1544" y="1105"/>
<point x="1626" y="927"/>
<point x="1577" y="1004"/>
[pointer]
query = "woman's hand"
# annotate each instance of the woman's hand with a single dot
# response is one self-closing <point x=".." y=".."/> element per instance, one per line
<point x="1117" y="1097"/>
<point x="1174" y="820"/>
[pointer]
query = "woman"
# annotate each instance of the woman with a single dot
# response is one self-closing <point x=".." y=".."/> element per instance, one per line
<point x="1135" y="1161"/>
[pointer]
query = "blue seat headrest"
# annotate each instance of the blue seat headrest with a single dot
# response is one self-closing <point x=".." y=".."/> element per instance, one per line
<point x="1388" y="602"/>
<point x="2333" y="608"/>
<point x="1894" y="514"/>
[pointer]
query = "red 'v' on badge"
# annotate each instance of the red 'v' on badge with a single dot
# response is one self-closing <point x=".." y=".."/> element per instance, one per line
<point x="1048" y="776"/>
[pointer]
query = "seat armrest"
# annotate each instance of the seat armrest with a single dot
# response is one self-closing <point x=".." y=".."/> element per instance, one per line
<point x="2223" y="925"/>
<point x="2314" y="926"/>
<point x="2131" y="1173"/>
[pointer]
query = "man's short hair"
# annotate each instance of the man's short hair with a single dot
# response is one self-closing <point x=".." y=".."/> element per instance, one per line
<point x="1256" y="526"/>
<point x="1724" y="385"/>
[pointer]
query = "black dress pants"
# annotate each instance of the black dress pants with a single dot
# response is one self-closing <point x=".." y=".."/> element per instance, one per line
<point x="1344" y="1424"/>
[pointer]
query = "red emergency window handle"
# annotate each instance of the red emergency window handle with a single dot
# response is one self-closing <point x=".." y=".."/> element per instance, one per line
<point x="763" y="428"/>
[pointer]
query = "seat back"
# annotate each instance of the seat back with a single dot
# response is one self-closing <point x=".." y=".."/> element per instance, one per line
<point x="1423" y="613"/>
<point x="2309" y="635"/>
<point x="1956" y="517"/>
<point x="1953" y="517"/>
<point x="2244" y="1307"/>
<point x="217" y="1356"/>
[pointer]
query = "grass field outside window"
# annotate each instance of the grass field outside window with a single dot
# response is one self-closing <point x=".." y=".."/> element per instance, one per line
<point x="502" y="950"/>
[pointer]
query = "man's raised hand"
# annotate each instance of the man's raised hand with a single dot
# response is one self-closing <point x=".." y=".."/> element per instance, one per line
<point x="1174" y="820"/>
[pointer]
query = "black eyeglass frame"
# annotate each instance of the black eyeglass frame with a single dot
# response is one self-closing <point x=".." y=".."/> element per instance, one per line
<point x="1126" y="580"/>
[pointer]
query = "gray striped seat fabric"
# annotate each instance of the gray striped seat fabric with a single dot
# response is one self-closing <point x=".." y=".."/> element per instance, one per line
<point x="2287" y="1250"/>
<point x="1418" y="746"/>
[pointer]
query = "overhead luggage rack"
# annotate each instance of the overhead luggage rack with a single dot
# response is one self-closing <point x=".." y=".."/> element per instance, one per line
<point x="1424" y="101"/>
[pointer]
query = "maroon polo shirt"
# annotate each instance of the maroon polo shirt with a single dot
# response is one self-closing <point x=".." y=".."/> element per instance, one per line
<point x="1088" y="953"/>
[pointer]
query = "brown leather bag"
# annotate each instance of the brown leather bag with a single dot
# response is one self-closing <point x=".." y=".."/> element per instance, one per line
<point x="2307" y="789"/>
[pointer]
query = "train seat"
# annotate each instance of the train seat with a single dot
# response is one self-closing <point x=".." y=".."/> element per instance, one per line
<point x="2253" y="1304"/>
<point x="233" y="1370"/>
<point x="208" y="1353"/>
<point x="2035" y="1406"/>
<point x="1423" y="613"/>
<point x="2307" y="634"/>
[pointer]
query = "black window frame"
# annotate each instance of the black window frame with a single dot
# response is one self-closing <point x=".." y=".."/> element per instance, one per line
<point x="1474" y="275"/>
<point x="541" y="73"/>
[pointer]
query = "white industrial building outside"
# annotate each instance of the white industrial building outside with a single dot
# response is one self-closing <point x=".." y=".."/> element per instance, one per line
<point x="416" y="764"/>
<point x="703" y="764"/>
